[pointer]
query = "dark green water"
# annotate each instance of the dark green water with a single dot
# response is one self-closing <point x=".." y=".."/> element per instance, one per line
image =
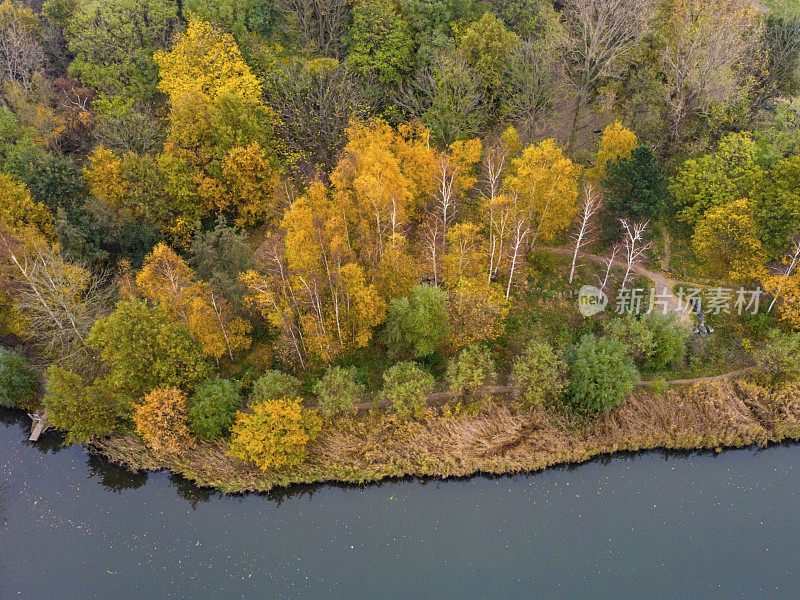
<point x="646" y="526"/>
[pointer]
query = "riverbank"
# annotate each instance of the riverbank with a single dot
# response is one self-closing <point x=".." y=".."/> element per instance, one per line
<point x="450" y="441"/>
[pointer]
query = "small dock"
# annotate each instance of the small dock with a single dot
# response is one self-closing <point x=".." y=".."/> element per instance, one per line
<point x="39" y="426"/>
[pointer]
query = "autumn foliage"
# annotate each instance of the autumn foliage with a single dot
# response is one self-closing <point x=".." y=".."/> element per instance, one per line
<point x="161" y="420"/>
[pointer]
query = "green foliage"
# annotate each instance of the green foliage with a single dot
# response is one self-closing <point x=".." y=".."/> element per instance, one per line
<point x="658" y="387"/>
<point x="114" y="41"/>
<point x="275" y="384"/>
<point x="781" y="40"/>
<point x="670" y="339"/>
<point x="776" y="206"/>
<point x="634" y="333"/>
<point x="144" y="350"/>
<point x="472" y="369"/>
<point x="19" y="382"/>
<point x="776" y="359"/>
<point x="338" y="391"/>
<point x="83" y="412"/>
<point x="635" y="188"/>
<point x="219" y="255"/>
<point x="380" y="42"/>
<point x="601" y="373"/>
<point x="487" y="44"/>
<point x="212" y="408"/>
<point x="406" y="386"/>
<point x="417" y="324"/>
<point x="729" y="174"/>
<point x="538" y="373"/>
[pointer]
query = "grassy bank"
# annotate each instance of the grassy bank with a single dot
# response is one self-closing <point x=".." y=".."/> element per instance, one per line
<point x="450" y="441"/>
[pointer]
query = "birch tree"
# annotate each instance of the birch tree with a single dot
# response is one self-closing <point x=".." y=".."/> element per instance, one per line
<point x="633" y="244"/>
<point x="590" y="206"/>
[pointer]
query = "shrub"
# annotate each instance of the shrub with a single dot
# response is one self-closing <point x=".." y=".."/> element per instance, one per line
<point x="338" y="391"/>
<point x="472" y="369"/>
<point x="275" y="384"/>
<point x="538" y="374"/>
<point x="161" y="420"/>
<point x="658" y="387"/>
<point x="416" y="325"/>
<point x="406" y="386"/>
<point x="670" y="339"/>
<point x="635" y="333"/>
<point x="213" y="407"/>
<point x="777" y="359"/>
<point x="82" y="412"/>
<point x="276" y="434"/>
<point x="601" y="373"/>
<point x="18" y="381"/>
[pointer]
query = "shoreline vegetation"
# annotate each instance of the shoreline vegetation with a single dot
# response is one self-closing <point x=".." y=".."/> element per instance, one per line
<point x="454" y="441"/>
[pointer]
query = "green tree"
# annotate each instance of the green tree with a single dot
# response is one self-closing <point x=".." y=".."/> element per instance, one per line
<point x="338" y="391"/>
<point x="82" y="411"/>
<point x="19" y="382"/>
<point x="776" y="358"/>
<point x="275" y="384"/>
<point x="776" y="206"/>
<point x="487" y="46"/>
<point x="601" y="373"/>
<point x="635" y="333"/>
<point x="144" y="349"/>
<point x="471" y="370"/>
<point x="213" y="406"/>
<point x="417" y="324"/>
<point x="219" y="255"/>
<point x="670" y="339"/>
<point x="635" y="188"/>
<point x="538" y="374"/>
<point x="406" y="386"/>
<point x="380" y="43"/>
<point x="114" y="41"/>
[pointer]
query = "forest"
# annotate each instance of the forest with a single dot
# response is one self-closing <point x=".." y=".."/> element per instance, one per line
<point x="242" y="228"/>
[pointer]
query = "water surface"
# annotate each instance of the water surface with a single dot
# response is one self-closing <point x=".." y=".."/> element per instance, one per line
<point x="636" y="526"/>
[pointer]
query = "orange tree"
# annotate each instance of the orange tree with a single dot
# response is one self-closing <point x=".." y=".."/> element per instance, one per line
<point x="275" y="434"/>
<point x="161" y="420"/>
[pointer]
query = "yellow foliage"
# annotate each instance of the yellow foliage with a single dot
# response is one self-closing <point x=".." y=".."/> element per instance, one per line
<point x="788" y="292"/>
<point x="251" y="181"/>
<point x="466" y="253"/>
<point x="19" y="212"/>
<point x="160" y="419"/>
<point x="477" y="311"/>
<point x="276" y="434"/>
<point x="617" y="142"/>
<point x="207" y="60"/>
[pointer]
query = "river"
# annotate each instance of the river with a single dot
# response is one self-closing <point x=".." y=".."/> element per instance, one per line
<point x="652" y="525"/>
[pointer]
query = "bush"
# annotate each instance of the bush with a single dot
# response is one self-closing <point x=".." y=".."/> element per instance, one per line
<point x="406" y="386"/>
<point x="82" y="412"/>
<point x="472" y="369"/>
<point x="275" y="384"/>
<point x="777" y="358"/>
<point x="338" y="391"/>
<point x="276" y="434"/>
<point x="538" y="374"/>
<point x="670" y="339"/>
<point x="213" y="408"/>
<point x="601" y="373"/>
<point x="161" y="420"/>
<point x="416" y="325"/>
<point x="658" y="387"/>
<point x="18" y="381"/>
<point x="635" y="333"/>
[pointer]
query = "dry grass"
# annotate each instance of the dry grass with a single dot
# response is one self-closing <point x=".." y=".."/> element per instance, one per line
<point x="448" y="442"/>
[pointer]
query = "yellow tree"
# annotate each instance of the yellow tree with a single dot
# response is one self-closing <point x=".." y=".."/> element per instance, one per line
<point x="160" y="419"/>
<point x="476" y="312"/>
<point x="213" y="323"/>
<point x="466" y="254"/>
<point x="250" y="179"/>
<point x="617" y="142"/>
<point x="724" y="243"/>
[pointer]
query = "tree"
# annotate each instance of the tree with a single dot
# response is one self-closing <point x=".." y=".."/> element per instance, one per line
<point x="338" y="391"/>
<point x="670" y="339"/>
<point x="781" y="40"/>
<point x="19" y="211"/>
<point x="275" y="435"/>
<point x="417" y="324"/>
<point x="320" y="24"/>
<point x="113" y="42"/>
<point x="406" y="387"/>
<point x="144" y="350"/>
<point x="161" y="421"/>
<point x="538" y="374"/>
<point x="725" y="245"/>
<point x="82" y="411"/>
<point x="633" y="243"/>
<point x="775" y="284"/>
<point x="616" y="144"/>
<point x="602" y="35"/>
<point x="601" y="373"/>
<point x="776" y="358"/>
<point x="471" y="370"/>
<point x="21" y="55"/>
<point x="529" y="70"/>
<point x="476" y="312"/>
<point x="205" y="60"/>
<point x="275" y="384"/>
<point x="701" y="49"/>
<point x="776" y="205"/>
<point x="635" y="188"/>
<point x="212" y="408"/>
<point x="590" y="206"/>
<point x="731" y="173"/>
<point x="635" y="333"/>
<point x="379" y="42"/>
<point x="19" y="383"/>
<point x="220" y="255"/>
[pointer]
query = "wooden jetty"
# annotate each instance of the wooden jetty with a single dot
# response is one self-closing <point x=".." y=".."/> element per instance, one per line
<point x="39" y="426"/>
